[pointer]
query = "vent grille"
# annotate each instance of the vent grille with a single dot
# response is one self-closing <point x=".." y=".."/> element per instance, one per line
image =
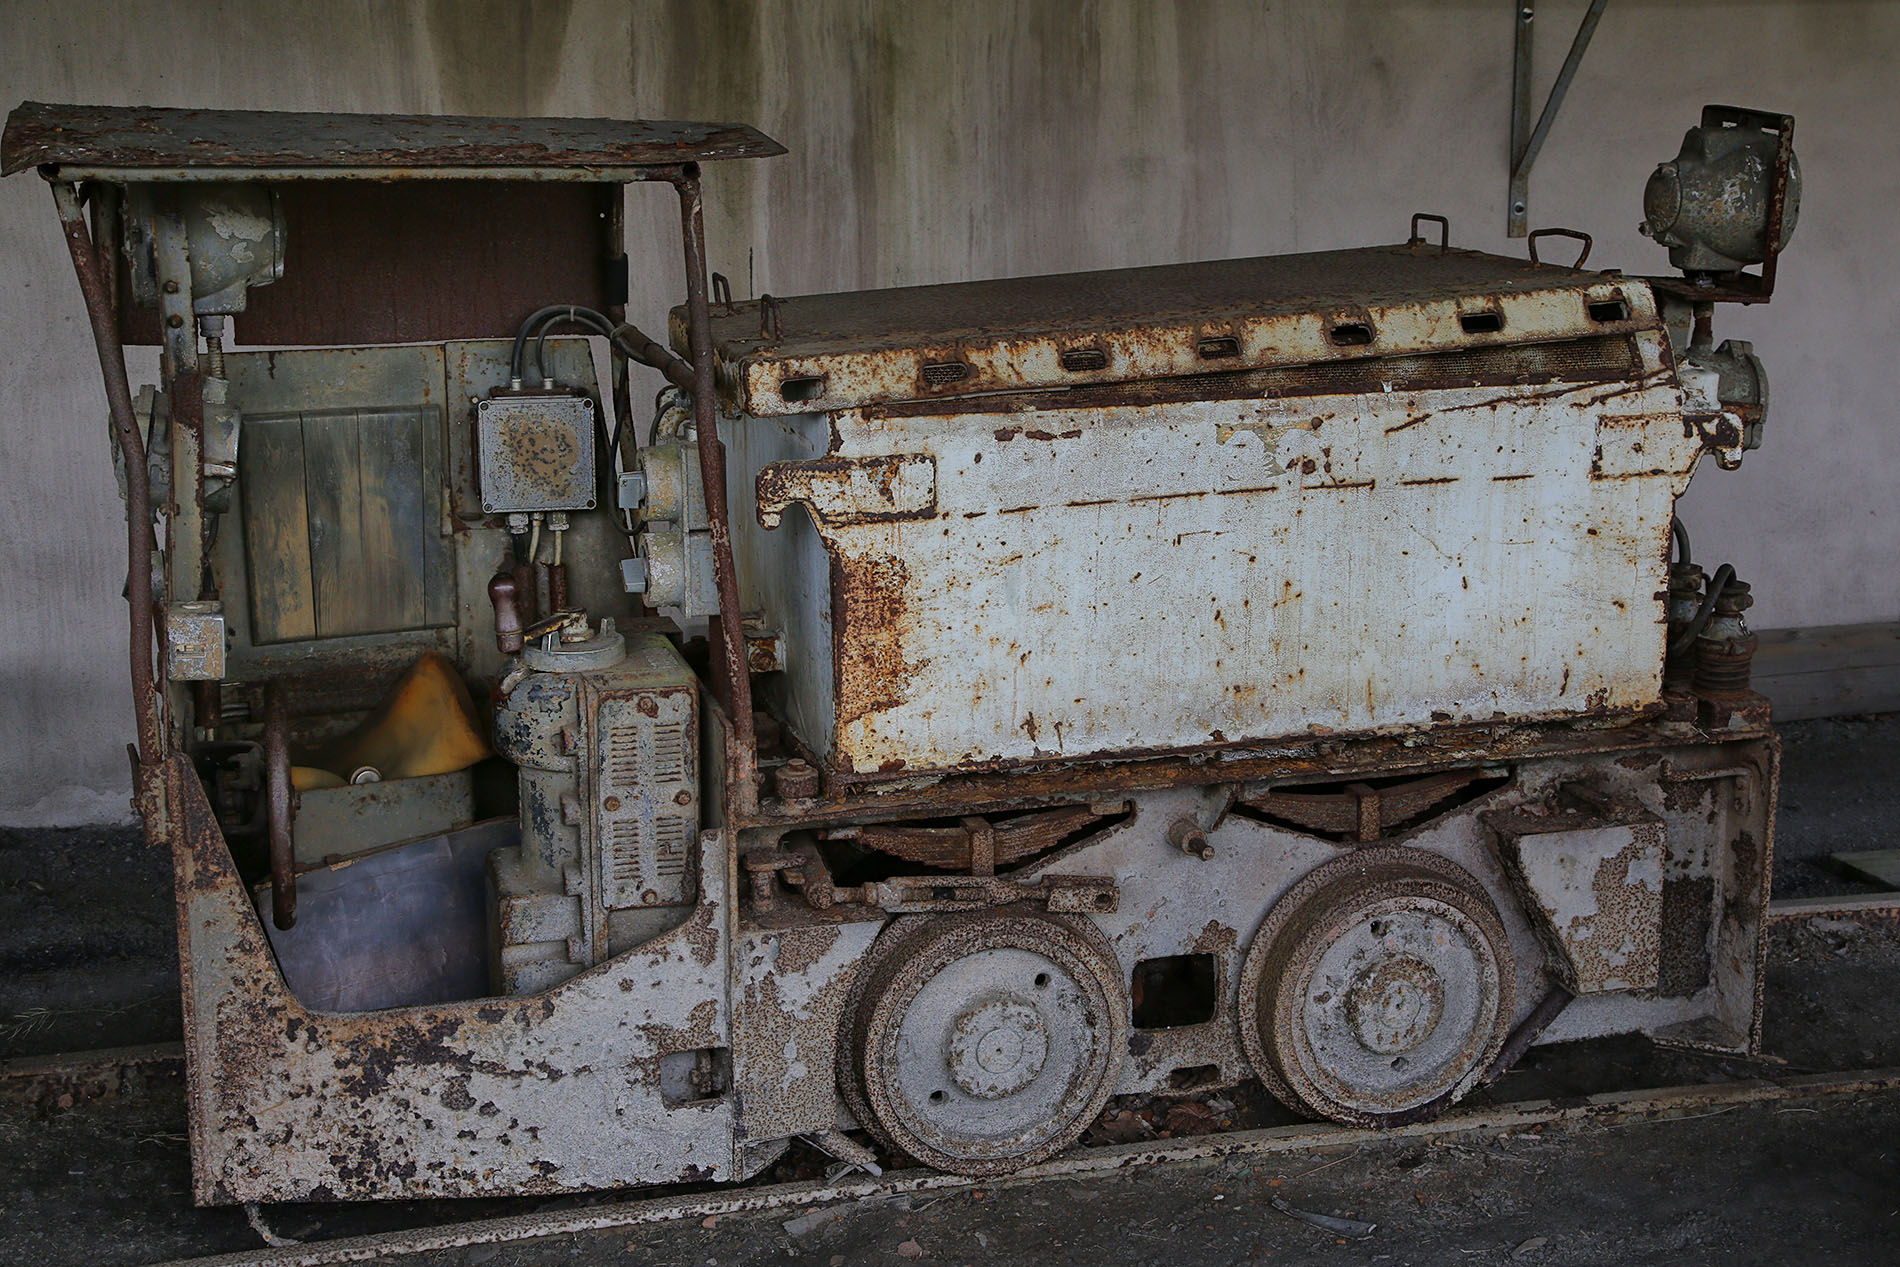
<point x="939" y="373"/>
<point x="625" y="840"/>
<point x="669" y="751"/>
<point x="669" y="846"/>
<point x="665" y="756"/>
<point x="646" y="801"/>
<point x="639" y="865"/>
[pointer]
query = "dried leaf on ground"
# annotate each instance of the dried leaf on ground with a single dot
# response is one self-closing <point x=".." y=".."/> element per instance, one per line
<point x="1124" y="1127"/>
<point x="1191" y="1118"/>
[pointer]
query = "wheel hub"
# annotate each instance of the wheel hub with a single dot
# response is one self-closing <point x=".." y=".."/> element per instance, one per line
<point x="997" y="1049"/>
<point x="1395" y="1004"/>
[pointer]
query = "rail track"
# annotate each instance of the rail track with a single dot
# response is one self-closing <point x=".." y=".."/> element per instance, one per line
<point x="103" y="1074"/>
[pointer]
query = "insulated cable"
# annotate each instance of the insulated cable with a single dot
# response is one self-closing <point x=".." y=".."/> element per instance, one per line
<point x="1717" y="583"/>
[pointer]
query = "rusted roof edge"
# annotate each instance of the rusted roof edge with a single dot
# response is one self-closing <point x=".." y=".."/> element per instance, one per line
<point x="158" y="143"/>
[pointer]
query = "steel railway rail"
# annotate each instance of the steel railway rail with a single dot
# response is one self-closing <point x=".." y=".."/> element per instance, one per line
<point x="102" y="1074"/>
<point x="1608" y="1108"/>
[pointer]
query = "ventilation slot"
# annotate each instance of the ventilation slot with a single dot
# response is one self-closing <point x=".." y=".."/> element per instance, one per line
<point x="643" y="870"/>
<point x="669" y="846"/>
<point x="666" y="754"/>
<point x="1218" y="349"/>
<point x="803" y="388"/>
<point x="626" y="858"/>
<point x="1084" y="360"/>
<point x="1350" y="334"/>
<point x="1481" y="322"/>
<point x="623" y="759"/>
<point x="940" y="373"/>
<point x="1607" y="310"/>
<point x="669" y="751"/>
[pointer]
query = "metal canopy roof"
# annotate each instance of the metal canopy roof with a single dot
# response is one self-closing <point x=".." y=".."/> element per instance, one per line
<point x="154" y="144"/>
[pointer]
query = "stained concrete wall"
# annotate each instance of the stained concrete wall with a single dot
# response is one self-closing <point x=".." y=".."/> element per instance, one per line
<point x="936" y="142"/>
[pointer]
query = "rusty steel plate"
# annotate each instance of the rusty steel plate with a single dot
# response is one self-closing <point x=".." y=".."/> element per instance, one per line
<point x="147" y="143"/>
<point x="1209" y="318"/>
<point x="982" y="1043"/>
<point x="1379" y="989"/>
<point x="1348" y="812"/>
<point x="954" y="848"/>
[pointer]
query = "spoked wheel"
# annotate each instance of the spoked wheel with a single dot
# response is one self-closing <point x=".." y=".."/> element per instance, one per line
<point x="1378" y="989"/>
<point x="985" y="1042"/>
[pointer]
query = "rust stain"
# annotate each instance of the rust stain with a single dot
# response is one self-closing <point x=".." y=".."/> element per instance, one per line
<point x="800" y="948"/>
<point x="1216" y="939"/>
<point x="870" y="620"/>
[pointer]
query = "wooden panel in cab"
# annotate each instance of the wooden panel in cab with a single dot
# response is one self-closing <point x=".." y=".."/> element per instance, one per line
<point x="342" y="515"/>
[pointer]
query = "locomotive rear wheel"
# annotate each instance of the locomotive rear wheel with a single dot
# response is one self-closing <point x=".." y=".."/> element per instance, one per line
<point x="981" y="1043"/>
<point x="1379" y="988"/>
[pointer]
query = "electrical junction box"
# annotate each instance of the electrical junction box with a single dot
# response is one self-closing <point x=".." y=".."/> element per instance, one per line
<point x="535" y="451"/>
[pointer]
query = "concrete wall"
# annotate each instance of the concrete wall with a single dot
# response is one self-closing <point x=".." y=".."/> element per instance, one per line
<point x="940" y="141"/>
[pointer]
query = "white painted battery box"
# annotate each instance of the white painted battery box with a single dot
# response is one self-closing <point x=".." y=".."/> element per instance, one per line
<point x="1165" y="509"/>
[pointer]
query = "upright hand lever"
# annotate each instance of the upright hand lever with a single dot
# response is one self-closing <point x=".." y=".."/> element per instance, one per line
<point x="501" y="592"/>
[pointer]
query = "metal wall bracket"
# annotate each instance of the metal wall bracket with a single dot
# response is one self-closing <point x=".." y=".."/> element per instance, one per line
<point x="1526" y="140"/>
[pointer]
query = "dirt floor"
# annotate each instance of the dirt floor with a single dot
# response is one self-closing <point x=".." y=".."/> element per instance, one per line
<point x="87" y="960"/>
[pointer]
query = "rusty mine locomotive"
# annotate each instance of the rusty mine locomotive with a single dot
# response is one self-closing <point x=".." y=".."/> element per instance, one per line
<point x="948" y="709"/>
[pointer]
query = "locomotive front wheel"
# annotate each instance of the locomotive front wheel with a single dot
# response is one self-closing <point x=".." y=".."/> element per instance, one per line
<point x="981" y="1043"/>
<point x="1378" y="990"/>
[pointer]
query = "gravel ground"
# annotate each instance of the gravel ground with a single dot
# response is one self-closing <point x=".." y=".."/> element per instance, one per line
<point x="1840" y="792"/>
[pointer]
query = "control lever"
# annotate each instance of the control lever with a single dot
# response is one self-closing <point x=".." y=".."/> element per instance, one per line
<point x="501" y="592"/>
<point x="560" y="622"/>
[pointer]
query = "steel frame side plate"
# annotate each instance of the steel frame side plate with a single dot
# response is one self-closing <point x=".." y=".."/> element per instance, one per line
<point x="553" y="1092"/>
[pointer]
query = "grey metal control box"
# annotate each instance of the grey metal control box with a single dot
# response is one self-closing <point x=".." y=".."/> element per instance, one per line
<point x="608" y="759"/>
<point x="535" y="451"/>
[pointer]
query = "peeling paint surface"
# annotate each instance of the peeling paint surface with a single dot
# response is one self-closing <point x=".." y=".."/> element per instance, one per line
<point x="791" y="995"/>
<point x="1598" y="895"/>
<point x="1146" y="577"/>
<point x="553" y="1092"/>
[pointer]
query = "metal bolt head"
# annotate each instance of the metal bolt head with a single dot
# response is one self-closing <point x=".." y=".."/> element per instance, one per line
<point x="1186" y="835"/>
<point x="797" y="780"/>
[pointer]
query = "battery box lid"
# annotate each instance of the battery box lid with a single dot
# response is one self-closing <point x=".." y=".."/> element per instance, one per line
<point x="866" y="348"/>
